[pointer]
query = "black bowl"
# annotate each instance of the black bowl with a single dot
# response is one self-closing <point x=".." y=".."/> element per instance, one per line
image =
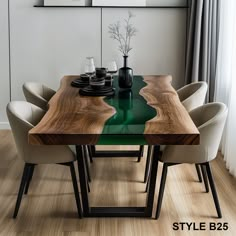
<point x="97" y="83"/>
<point x="84" y="77"/>
<point x="101" y="72"/>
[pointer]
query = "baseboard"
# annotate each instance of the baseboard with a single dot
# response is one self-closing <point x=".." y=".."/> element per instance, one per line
<point x="4" y="125"/>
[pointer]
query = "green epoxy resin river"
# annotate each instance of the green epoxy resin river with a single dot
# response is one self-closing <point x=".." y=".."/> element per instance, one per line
<point x="127" y="126"/>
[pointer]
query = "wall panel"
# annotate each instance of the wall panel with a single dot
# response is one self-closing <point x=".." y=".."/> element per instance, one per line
<point x="158" y="47"/>
<point x="4" y="62"/>
<point x="48" y="43"/>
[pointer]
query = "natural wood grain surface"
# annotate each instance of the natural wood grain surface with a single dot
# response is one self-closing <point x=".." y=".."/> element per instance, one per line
<point x="49" y="208"/>
<point x="172" y="125"/>
<point x="74" y="119"/>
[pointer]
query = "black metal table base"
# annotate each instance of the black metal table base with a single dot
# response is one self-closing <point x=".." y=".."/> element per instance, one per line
<point x="112" y="153"/>
<point x="117" y="211"/>
<point x="116" y="154"/>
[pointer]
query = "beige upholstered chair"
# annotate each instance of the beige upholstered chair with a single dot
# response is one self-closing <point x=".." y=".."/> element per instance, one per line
<point x="37" y="94"/>
<point x="23" y="116"/>
<point x="210" y="120"/>
<point x="192" y="95"/>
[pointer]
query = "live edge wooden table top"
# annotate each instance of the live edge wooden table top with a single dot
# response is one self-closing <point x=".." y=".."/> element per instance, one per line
<point x="149" y="113"/>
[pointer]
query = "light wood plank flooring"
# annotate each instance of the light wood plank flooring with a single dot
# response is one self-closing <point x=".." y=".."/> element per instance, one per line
<point x="49" y="208"/>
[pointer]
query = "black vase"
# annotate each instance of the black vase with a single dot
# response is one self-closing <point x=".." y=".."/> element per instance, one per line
<point x="125" y="75"/>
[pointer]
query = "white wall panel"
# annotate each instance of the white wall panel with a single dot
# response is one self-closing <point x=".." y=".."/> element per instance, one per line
<point x="48" y="43"/>
<point x="4" y="61"/>
<point x="158" y="47"/>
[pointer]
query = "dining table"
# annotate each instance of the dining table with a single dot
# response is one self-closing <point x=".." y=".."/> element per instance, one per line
<point x="149" y="113"/>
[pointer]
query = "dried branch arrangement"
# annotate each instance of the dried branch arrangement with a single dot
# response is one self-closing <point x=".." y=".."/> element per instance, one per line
<point x="124" y="38"/>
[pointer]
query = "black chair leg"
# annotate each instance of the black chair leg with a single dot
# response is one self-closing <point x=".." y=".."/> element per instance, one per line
<point x="88" y="186"/>
<point x="213" y="189"/>
<point x="147" y="184"/>
<point x="76" y="191"/>
<point x="90" y="154"/>
<point x="21" y="189"/>
<point x="141" y="149"/>
<point x="87" y="163"/>
<point x="87" y="171"/>
<point x="198" y="172"/>
<point x="162" y="189"/>
<point x="147" y="167"/>
<point x="31" y="172"/>
<point x="204" y="175"/>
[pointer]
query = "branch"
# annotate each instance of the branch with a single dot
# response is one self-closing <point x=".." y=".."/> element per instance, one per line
<point x="123" y="40"/>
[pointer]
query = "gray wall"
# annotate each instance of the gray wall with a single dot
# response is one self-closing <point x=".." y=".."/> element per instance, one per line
<point x="158" y="47"/>
<point x="4" y="62"/>
<point x="47" y="43"/>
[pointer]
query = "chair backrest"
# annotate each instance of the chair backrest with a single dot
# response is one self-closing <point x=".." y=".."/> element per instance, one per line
<point x="210" y="120"/>
<point x="193" y="95"/>
<point x="23" y="116"/>
<point x="37" y="94"/>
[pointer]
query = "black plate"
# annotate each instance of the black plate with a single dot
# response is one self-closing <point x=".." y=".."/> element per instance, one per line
<point x="79" y="83"/>
<point x="104" y="91"/>
<point x="100" y="90"/>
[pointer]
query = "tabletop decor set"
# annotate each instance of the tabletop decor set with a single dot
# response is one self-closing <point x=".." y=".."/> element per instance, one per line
<point x="99" y="81"/>
<point x="96" y="81"/>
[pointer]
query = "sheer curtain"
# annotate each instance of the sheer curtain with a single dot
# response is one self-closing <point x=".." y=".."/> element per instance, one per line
<point x="203" y="24"/>
<point x="226" y="79"/>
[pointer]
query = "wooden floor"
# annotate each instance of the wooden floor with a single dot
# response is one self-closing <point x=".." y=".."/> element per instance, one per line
<point x="49" y="208"/>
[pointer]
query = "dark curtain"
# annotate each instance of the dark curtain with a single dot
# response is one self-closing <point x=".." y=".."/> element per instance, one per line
<point x="202" y="43"/>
